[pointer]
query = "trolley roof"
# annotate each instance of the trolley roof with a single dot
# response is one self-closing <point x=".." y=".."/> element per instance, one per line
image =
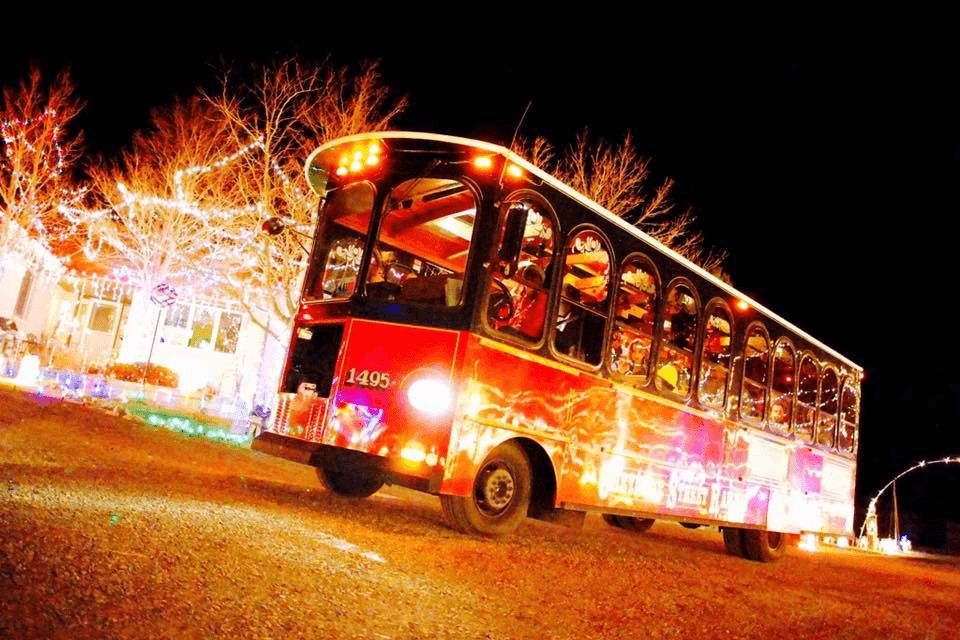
<point x="590" y="204"/>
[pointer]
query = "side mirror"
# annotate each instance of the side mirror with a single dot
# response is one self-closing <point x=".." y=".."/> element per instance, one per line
<point x="514" y="226"/>
<point x="276" y="226"/>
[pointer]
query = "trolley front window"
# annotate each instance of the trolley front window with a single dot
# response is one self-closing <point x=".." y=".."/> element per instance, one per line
<point x="424" y="242"/>
<point x="345" y="222"/>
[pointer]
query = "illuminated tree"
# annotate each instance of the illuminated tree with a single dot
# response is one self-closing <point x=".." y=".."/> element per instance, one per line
<point x="618" y="178"/>
<point x="159" y="222"/>
<point x="38" y="155"/>
<point x="290" y="108"/>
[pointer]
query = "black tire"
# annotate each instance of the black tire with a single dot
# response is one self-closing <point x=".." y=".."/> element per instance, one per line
<point x="764" y="546"/>
<point x="733" y="542"/>
<point x="358" y="483"/>
<point x="500" y="497"/>
<point x="690" y="525"/>
<point x="612" y="520"/>
<point x="641" y="524"/>
<point x="628" y="522"/>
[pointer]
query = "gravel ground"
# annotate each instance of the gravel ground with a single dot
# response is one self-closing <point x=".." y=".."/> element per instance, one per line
<point x="113" y="529"/>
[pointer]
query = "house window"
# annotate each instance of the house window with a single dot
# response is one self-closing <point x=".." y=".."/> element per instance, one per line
<point x="199" y="327"/>
<point x="24" y="294"/>
<point x="228" y="332"/>
<point x="175" y="325"/>
<point x="102" y="317"/>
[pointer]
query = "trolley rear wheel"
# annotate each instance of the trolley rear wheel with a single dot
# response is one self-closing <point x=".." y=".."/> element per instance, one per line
<point x="764" y="546"/>
<point x="356" y="483"/>
<point x="733" y="542"/>
<point x="628" y="522"/>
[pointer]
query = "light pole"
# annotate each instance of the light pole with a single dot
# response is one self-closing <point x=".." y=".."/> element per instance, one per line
<point x="163" y="295"/>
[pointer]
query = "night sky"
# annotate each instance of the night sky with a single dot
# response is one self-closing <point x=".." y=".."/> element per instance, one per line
<point x="825" y="163"/>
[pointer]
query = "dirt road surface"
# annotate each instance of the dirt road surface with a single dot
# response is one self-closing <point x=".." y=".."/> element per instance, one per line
<point x="113" y="529"/>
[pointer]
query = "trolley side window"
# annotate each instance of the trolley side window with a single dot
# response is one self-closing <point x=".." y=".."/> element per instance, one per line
<point x="756" y="352"/>
<point x="849" y="414"/>
<point x="584" y="299"/>
<point x="520" y="283"/>
<point x="781" y="387"/>
<point x="678" y="336"/>
<point x="806" y="407"/>
<point x="829" y="401"/>
<point x="634" y="319"/>
<point x="715" y="357"/>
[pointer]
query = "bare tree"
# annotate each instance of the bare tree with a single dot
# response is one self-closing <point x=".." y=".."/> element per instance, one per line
<point x="288" y="108"/>
<point x="618" y="178"/>
<point x="37" y="159"/>
<point x="158" y="218"/>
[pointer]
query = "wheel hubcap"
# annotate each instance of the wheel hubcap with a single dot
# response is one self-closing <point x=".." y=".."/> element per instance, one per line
<point x="496" y="490"/>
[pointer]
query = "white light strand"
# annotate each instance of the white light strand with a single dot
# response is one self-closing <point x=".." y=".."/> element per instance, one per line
<point x="920" y="465"/>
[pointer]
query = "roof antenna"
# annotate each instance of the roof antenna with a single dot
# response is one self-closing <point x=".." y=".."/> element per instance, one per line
<point x="513" y="140"/>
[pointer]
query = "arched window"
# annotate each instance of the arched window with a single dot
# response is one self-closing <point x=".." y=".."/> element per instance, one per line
<point x="781" y="387"/>
<point x="805" y="410"/>
<point x="518" y="292"/>
<point x="423" y="243"/>
<point x="584" y="297"/>
<point x="678" y="336"/>
<point x="756" y="353"/>
<point x="849" y="414"/>
<point x="715" y="357"/>
<point x="341" y="240"/>
<point x="634" y="319"/>
<point x="829" y="401"/>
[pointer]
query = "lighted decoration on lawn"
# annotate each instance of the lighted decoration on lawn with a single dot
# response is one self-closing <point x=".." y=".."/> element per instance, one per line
<point x="870" y="539"/>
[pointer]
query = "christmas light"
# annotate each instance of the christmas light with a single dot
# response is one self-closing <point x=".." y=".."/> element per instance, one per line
<point x="872" y="507"/>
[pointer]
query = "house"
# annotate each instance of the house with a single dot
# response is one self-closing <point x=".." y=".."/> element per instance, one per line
<point x="85" y="321"/>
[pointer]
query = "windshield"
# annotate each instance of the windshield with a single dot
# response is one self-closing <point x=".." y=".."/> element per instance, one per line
<point x="342" y="237"/>
<point x="424" y="241"/>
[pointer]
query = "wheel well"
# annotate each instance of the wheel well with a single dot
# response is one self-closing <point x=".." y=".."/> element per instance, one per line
<point x="544" y="483"/>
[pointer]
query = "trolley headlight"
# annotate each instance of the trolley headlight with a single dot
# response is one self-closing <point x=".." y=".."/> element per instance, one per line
<point x="430" y="395"/>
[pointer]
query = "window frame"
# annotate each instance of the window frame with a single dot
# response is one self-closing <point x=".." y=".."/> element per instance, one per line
<point x="643" y="379"/>
<point x="760" y="328"/>
<point x="560" y="298"/>
<point x="782" y="341"/>
<point x="708" y="312"/>
<point x="852" y="383"/>
<point x="661" y="343"/>
<point x="805" y="356"/>
<point x="545" y="209"/>
<point x="821" y="401"/>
